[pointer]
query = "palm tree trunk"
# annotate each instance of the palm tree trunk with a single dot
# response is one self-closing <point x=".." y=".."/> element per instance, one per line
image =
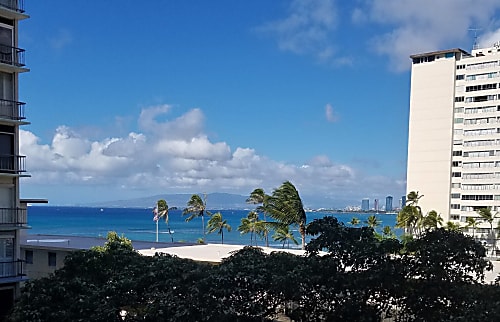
<point x="203" y="226"/>
<point x="222" y="236"/>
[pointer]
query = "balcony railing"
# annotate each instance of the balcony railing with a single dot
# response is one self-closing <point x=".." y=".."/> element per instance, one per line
<point x="12" y="110"/>
<point x="12" y="163"/>
<point x="13" y="268"/>
<point x="16" y="5"/>
<point x="11" y="55"/>
<point x="13" y="217"/>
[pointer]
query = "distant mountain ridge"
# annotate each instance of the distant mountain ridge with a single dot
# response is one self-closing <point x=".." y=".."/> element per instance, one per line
<point x="215" y="200"/>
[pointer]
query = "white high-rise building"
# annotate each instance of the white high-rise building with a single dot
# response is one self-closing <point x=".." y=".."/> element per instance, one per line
<point x="454" y="132"/>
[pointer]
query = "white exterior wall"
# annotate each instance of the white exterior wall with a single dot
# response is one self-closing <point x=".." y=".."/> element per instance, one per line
<point x="431" y="133"/>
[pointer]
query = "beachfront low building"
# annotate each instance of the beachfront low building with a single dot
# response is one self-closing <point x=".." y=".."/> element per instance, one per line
<point x="454" y="134"/>
<point x="45" y="253"/>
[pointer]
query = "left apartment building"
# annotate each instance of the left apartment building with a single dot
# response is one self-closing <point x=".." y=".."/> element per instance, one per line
<point x="13" y="210"/>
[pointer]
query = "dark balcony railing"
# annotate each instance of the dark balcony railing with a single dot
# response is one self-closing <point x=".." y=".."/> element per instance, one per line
<point x="12" y="163"/>
<point x="16" y="5"/>
<point x="11" y="55"/>
<point x="12" y="110"/>
<point x="13" y="268"/>
<point x="13" y="217"/>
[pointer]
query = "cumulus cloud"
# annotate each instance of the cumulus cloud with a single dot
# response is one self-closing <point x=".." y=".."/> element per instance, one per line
<point x="157" y="160"/>
<point x="426" y="25"/>
<point x="329" y="114"/>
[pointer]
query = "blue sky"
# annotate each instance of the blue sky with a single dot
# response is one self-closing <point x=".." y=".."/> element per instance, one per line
<point x="129" y="99"/>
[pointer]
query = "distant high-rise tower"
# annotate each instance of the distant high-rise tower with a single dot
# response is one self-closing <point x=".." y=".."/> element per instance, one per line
<point x="403" y="201"/>
<point x="365" y="204"/>
<point x="375" y="204"/>
<point x="388" y="203"/>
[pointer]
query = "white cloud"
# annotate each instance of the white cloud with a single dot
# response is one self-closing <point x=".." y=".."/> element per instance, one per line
<point x="159" y="161"/>
<point x="308" y="29"/>
<point x="329" y="114"/>
<point x="490" y="38"/>
<point x="426" y="25"/>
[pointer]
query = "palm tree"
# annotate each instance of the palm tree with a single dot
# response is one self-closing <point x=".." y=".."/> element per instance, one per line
<point x="196" y="207"/>
<point x="283" y="234"/>
<point x="372" y="221"/>
<point x="432" y="221"/>
<point x="410" y="217"/>
<point x="286" y="207"/>
<point x="354" y="221"/>
<point x="248" y="225"/>
<point x="450" y="225"/>
<point x="259" y="197"/>
<point x="217" y="223"/>
<point x="472" y="222"/>
<point x="162" y="210"/>
<point x="487" y="216"/>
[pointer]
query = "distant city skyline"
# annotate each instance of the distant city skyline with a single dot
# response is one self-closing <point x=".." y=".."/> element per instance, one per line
<point x="227" y="96"/>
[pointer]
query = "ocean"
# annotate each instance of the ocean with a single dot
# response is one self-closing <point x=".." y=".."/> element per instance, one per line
<point x="138" y="224"/>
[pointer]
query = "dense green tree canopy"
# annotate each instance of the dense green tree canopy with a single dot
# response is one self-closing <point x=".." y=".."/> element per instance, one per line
<point x="347" y="275"/>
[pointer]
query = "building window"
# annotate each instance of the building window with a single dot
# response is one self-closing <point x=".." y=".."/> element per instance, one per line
<point x="458" y="120"/>
<point x="456" y="164"/>
<point x="458" y="110"/>
<point x="456" y="174"/>
<point x="460" y="66"/>
<point x="459" y="99"/>
<point x="457" y="153"/>
<point x="455" y="196"/>
<point x="52" y="259"/>
<point x="459" y="77"/>
<point x="455" y="185"/>
<point x="28" y="256"/>
<point x="455" y="206"/>
<point x="454" y="217"/>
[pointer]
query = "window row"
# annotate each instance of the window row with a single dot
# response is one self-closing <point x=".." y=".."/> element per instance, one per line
<point x="479" y="154"/>
<point x="481" y="132"/>
<point x="490" y="64"/>
<point x="482" y="98"/>
<point x="482" y="120"/>
<point x="481" y="76"/>
<point x="479" y="165"/>
<point x="480" y="143"/>
<point x="477" y="197"/>
<point x="484" y="175"/>
<point x="482" y="87"/>
<point x="480" y="186"/>
<point x="484" y="109"/>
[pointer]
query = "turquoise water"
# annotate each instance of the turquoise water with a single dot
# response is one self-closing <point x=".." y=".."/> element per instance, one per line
<point x="138" y="224"/>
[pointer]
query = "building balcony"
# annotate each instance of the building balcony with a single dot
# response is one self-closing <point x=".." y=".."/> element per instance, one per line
<point x="13" y="217"/>
<point x="12" y="164"/>
<point x="12" y="269"/>
<point x="14" y="5"/>
<point x="12" y="110"/>
<point x="12" y="56"/>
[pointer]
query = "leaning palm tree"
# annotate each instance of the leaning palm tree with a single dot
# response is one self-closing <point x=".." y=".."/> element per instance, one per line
<point x="487" y="216"/>
<point x="248" y="225"/>
<point x="432" y="221"/>
<point x="286" y="207"/>
<point x="410" y="217"/>
<point x="196" y="207"/>
<point x="472" y="223"/>
<point x="162" y="210"/>
<point x="259" y="197"/>
<point x="284" y="235"/>
<point x="217" y="224"/>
